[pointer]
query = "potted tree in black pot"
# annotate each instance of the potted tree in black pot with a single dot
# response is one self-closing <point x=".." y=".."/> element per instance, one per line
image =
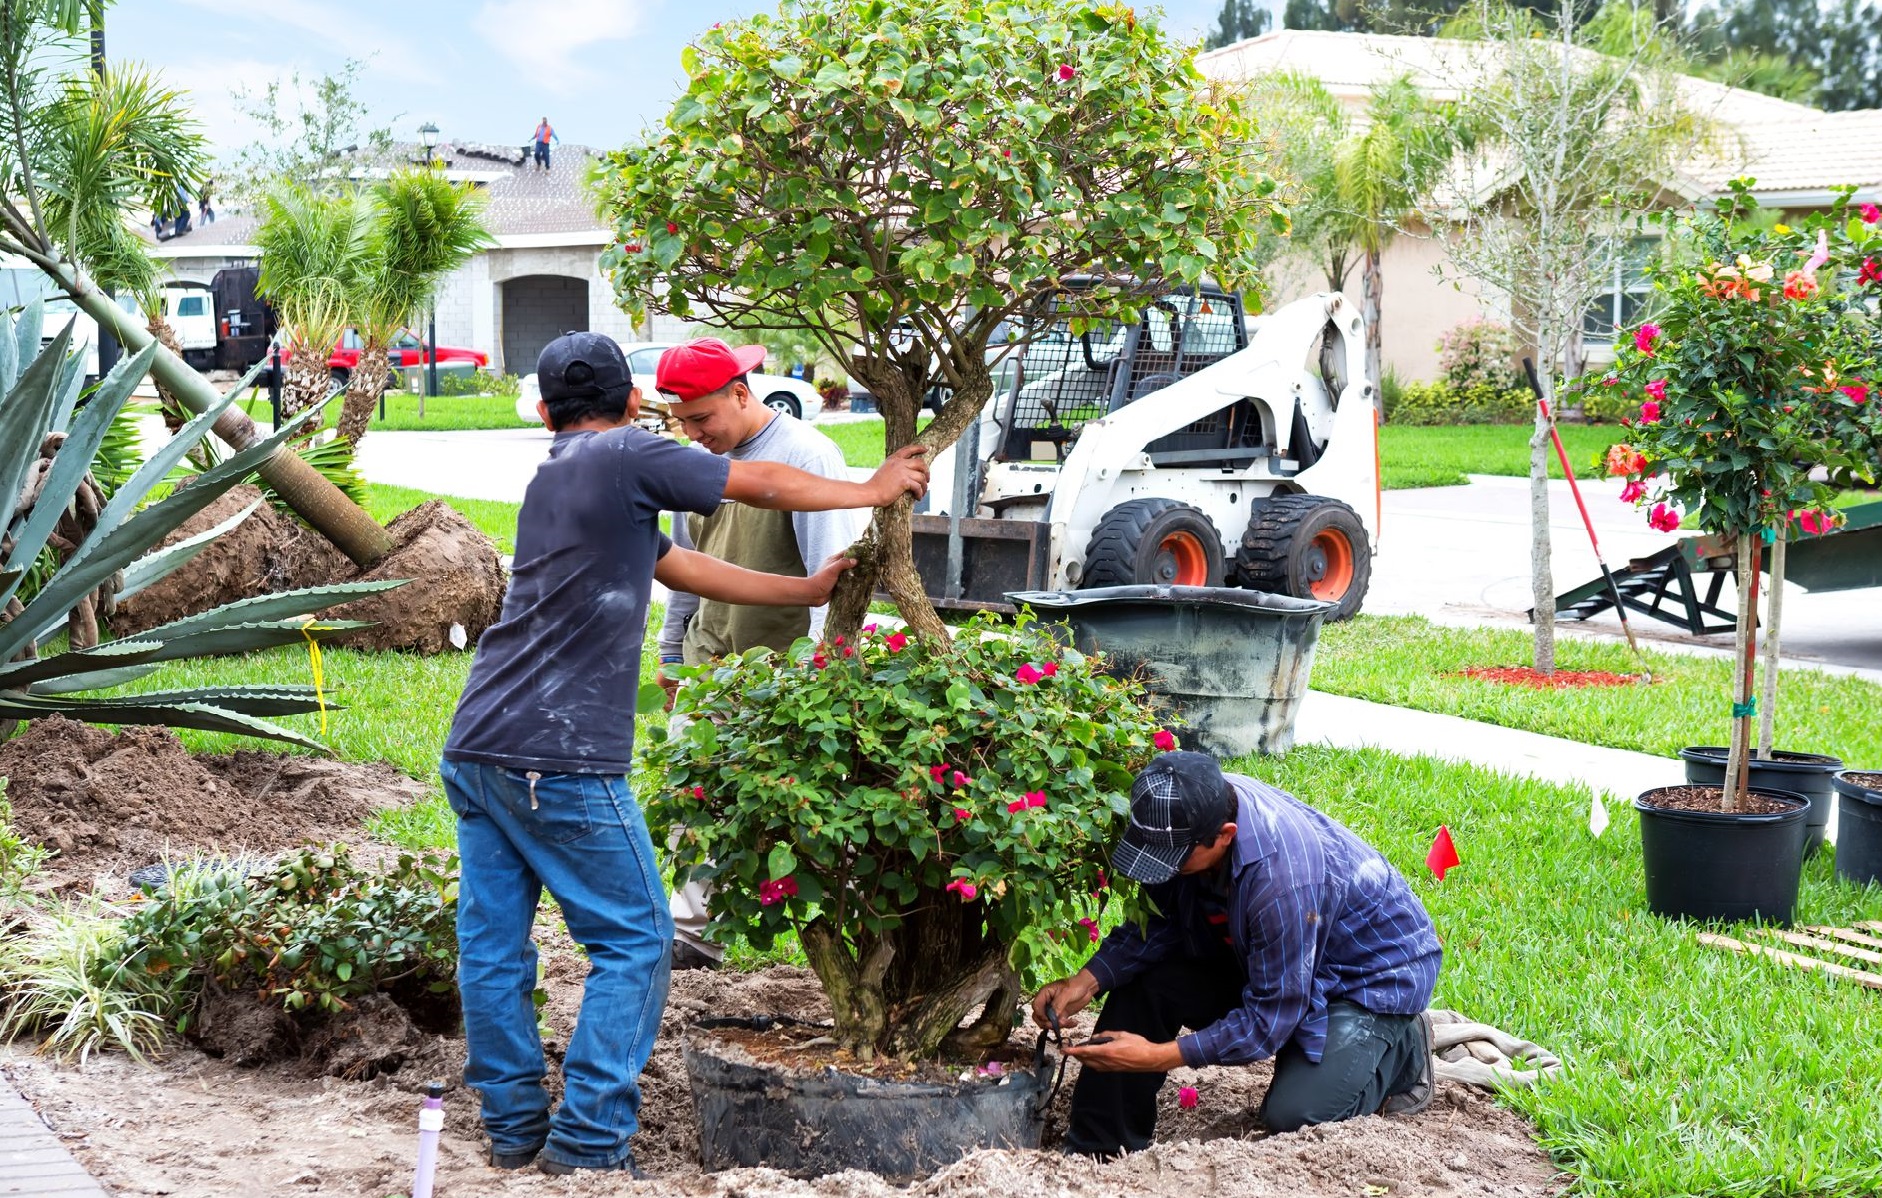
<point x="1751" y="373"/>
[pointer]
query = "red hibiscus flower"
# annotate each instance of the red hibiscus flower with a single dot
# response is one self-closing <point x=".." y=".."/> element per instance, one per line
<point x="1857" y="392"/>
<point x="1649" y="412"/>
<point x="1799" y="286"/>
<point x="896" y="641"/>
<point x="1656" y="390"/>
<point x="1632" y="492"/>
<point x="1663" y="518"/>
<point x="1066" y="72"/>
<point x="1870" y="214"/>
<point x="1164" y="739"/>
<point x="1645" y="336"/>
<point x="1871" y="272"/>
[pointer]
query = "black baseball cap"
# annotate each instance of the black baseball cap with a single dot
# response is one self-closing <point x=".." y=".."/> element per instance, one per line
<point x="1175" y="802"/>
<point x="583" y="366"/>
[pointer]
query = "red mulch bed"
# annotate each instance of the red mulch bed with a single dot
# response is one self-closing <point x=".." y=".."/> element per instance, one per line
<point x="1560" y="680"/>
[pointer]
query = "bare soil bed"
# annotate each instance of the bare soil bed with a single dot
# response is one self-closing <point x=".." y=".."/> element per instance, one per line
<point x="193" y="1126"/>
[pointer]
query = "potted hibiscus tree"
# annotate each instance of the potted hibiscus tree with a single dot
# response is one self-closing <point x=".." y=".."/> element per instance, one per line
<point x="1753" y="372"/>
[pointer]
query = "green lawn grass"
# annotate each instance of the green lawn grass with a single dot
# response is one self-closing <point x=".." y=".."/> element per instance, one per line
<point x="1410" y="662"/>
<point x="1689" y="1071"/>
<point x="495" y="518"/>
<point x="443" y="413"/>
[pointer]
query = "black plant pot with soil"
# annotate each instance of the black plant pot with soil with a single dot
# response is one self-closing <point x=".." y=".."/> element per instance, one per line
<point x="1859" y="826"/>
<point x="1713" y="865"/>
<point x="809" y="1121"/>
<point x="1806" y="774"/>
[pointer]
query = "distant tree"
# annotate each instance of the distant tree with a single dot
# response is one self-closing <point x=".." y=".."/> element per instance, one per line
<point x="313" y="248"/>
<point x="1839" y="41"/>
<point x="1238" y="21"/>
<point x="310" y="127"/>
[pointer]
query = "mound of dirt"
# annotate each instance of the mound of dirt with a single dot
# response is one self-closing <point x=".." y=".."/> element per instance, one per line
<point x="205" y="1127"/>
<point x="111" y="802"/>
<point x="456" y="577"/>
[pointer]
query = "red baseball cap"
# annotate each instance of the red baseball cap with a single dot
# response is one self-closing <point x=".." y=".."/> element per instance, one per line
<point x="702" y="367"/>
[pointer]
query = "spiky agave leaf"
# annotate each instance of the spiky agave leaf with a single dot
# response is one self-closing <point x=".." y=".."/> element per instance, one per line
<point x="16" y="705"/>
<point x="252" y="699"/>
<point x="282" y="605"/>
<point x="24" y="418"/>
<point x="161" y="563"/>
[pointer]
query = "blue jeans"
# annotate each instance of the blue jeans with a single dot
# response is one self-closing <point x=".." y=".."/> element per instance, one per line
<point x="581" y="837"/>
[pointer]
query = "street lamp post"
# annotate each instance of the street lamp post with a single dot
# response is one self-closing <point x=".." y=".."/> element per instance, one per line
<point x="428" y="132"/>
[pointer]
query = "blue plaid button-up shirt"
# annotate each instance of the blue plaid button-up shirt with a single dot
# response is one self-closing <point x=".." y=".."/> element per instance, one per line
<point x="1317" y="914"/>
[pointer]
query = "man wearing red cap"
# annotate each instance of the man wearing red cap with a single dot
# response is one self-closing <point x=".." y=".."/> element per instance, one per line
<point x="705" y="382"/>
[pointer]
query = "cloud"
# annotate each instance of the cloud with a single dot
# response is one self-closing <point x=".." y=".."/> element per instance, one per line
<point x="544" y="47"/>
<point x="352" y="33"/>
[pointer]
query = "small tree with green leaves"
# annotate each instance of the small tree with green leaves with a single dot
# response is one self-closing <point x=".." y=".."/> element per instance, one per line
<point x="899" y="177"/>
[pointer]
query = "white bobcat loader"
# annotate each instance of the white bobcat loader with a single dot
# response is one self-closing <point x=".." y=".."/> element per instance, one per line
<point x="1191" y="448"/>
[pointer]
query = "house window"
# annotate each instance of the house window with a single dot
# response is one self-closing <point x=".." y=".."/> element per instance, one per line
<point x="1619" y="305"/>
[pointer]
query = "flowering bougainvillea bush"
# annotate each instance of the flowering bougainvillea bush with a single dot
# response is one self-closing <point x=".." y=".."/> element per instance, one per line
<point x="1755" y="371"/>
<point x="910" y="810"/>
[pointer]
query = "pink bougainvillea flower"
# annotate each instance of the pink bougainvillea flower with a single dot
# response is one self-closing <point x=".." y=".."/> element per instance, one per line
<point x="1645" y="336"/>
<point x="871" y="627"/>
<point x="672" y="228"/>
<point x="1857" y="392"/>
<point x="1164" y="739"/>
<point x="1050" y="669"/>
<point x="1028" y="674"/>
<point x="1612" y="380"/>
<point x="849" y="650"/>
<point x="961" y="779"/>
<point x="819" y="660"/>
<point x="962" y="815"/>
<point x="1870" y="214"/>
<point x="1663" y="518"/>
<point x="1066" y="71"/>
<point x="937" y="772"/>
<point x="776" y="891"/>
<point x="1871" y="272"/>
<point x="1632" y="492"/>
<point x="1650" y="412"/>
<point x="896" y="641"/>
<point x="1035" y="798"/>
<point x="967" y="890"/>
<point x="1016" y="806"/>
<point x="1188" y="1098"/>
<point x="1091" y="928"/>
<point x="1799" y="285"/>
<point x="699" y="792"/>
<point x="1656" y="390"/>
<point x="991" y="1069"/>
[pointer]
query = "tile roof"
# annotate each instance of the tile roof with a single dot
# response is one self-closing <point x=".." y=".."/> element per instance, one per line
<point x="522" y="200"/>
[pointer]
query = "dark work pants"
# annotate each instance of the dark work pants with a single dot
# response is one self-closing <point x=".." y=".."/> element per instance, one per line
<point x="1367" y="1058"/>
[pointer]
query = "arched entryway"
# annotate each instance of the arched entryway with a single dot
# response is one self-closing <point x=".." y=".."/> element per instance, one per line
<point x="536" y="310"/>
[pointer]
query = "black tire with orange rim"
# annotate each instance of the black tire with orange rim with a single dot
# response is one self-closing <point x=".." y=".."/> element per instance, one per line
<point x="1157" y="541"/>
<point x="1307" y="546"/>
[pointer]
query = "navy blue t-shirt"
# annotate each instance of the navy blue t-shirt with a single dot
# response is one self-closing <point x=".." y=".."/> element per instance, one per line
<point x="555" y="680"/>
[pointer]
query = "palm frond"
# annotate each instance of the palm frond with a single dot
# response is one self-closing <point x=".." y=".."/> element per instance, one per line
<point x="312" y="248"/>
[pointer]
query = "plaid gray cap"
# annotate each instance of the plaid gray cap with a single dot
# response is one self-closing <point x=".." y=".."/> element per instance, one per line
<point x="1167" y="799"/>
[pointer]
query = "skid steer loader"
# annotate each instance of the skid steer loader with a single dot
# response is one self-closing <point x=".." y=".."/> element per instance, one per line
<point x="1190" y="448"/>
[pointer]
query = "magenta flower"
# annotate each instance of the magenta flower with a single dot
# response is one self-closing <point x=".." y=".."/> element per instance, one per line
<point x="1091" y="928"/>
<point x="1016" y="806"/>
<point x="1663" y="518"/>
<point x="1632" y="492"/>
<point x="967" y="890"/>
<point x="937" y="772"/>
<point x="776" y="891"/>
<point x="1066" y="72"/>
<point x="961" y="779"/>
<point x="1649" y="412"/>
<point x="699" y="792"/>
<point x="1857" y="392"/>
<point x="1645" y="336"/>
<point x="962" y="815"/>
<point x="1815" y="523"/>
<point x="1164" y="739"/>
<point x="1035" y="798"/>
<point x="1656" y="390"/>
<point x="1870" y="214"/>
<point x="819" y="660"/>
<point x="1028" y="674"/>
<point x="896" y="641"/>
<point x="1050" y="669"/>
<point x="1188" y="1098"/>
<point x="871" y="627"/>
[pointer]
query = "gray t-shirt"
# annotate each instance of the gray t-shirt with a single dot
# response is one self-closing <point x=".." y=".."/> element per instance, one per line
<point x="555" y="680"/>
<point x="820" y="535"/>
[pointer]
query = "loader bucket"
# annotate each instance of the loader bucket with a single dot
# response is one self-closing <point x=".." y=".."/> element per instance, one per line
<point x="1233" y="663"/>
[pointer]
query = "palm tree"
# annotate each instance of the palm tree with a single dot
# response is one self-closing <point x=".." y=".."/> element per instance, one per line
<point x="1381" y="176"/>
<point x="313" y="253"/>
<point x="424" y="227"/>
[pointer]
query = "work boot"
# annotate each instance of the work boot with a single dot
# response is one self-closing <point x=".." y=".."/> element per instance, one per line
<point x="687" y="955"/>
<point x="512" y="1160"/>
<point x="1418" y="1096"/>
<point x="624" y="1165"/>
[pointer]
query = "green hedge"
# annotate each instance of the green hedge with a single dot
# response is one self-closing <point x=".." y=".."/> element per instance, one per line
<point x="1440" y="403"/>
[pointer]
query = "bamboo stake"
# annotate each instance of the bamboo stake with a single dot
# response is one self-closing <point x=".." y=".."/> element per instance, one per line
<point x="1774" y="619"/>
<point x="1862" y="978"/>
<point x="1847" y="935"/>
<point x="1829" y="946"/>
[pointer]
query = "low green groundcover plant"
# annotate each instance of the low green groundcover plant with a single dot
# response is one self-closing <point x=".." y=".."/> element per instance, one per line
<point x="914" y="812"/>
<point x="312" y="933"/>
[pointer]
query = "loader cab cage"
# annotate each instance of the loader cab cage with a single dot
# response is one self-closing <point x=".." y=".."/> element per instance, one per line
<point x="1066" y="379"/>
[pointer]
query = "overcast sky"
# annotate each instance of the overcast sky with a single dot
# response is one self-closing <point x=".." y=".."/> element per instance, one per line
<point x="483" y="70"/>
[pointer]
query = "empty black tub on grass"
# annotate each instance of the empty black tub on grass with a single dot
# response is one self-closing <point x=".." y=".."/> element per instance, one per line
<point x="809" y="1124"/>
<point x="1233" y="662"/>
<point x="1859" y="826"/>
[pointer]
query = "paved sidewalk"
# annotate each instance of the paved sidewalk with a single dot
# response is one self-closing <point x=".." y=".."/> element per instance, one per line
<point x="32" y="1160"/>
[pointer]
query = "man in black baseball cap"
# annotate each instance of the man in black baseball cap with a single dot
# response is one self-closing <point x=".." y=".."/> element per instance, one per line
<point x="1275" y="932"/>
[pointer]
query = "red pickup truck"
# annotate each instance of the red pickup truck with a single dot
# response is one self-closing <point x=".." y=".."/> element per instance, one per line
<point x="407" y="349"/>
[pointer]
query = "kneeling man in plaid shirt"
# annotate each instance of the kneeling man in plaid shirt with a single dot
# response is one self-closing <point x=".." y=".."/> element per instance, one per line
<point x="1276" y="932"/>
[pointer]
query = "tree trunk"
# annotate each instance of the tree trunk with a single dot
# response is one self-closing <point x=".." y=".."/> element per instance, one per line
<point x="1737" y="762"/>
<point x="1542" y="577"/>
<point x="174" y="413"/>
<point x="308" y="381"/>
<point x="315" y="499"/>
<point x="1372" y="293"/>
<point x="363" y="390"/>
<point x="1773" y="624"/>
<point x="855" y="990"/>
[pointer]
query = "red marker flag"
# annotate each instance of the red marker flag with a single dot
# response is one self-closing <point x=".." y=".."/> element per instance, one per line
<point x="1443" y="854"/>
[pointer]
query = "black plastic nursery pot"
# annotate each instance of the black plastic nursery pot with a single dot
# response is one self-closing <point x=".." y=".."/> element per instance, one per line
<point x="1806" y="774"/>
<point x="1709" y="865"/>
<point x="1859" y="826"/>
<point x="808" y="1124"/>
<point x="1233" y="662"/>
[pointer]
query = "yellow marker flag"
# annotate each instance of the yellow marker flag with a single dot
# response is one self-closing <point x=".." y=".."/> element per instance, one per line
<point x="308" y="628"/>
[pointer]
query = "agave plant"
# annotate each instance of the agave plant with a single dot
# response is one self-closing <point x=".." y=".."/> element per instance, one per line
<point x="41" y="401"/>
